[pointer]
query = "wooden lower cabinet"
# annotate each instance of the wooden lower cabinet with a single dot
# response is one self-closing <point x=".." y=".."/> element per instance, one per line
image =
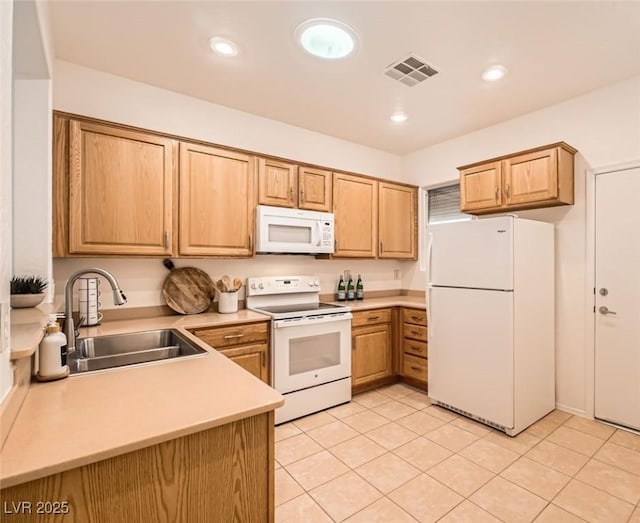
<point x="371" y="348"/>
<point x="247" y="344"/>
<point x="413" y="346"/>
<point x="222" y="474"/>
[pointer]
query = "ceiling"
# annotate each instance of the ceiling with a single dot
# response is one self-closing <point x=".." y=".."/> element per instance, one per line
<point x="553" y="51"/>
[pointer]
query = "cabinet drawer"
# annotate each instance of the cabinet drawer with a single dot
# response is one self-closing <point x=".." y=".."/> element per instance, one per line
<point x="413" y="367"/>
<point x="415" y="316"/>
<point x="235" y="335"/>
<point x="371" y="317"/>
<point x="415" y="332"/>
<point x="416" y="348"/>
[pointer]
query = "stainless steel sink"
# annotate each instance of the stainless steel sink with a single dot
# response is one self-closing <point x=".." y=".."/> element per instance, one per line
<point x="117" y="350"/>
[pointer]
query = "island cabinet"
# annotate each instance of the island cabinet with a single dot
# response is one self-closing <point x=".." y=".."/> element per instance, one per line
<point x="414" y="347"/>
<point x="285" y="184"/>
<point x="397" y="221"/>
<point x="540" y="177"/>
<point x="225" y="473"/>
<point x="113" y="190"/>
<point x="216" y="201"/>
<point x="245" y="344"/>
<point x="371" y="348"/>
<point x="355" y="204"/>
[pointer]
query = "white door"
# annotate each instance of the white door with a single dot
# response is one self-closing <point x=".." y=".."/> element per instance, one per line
<point x="471" y="352"/>
<point x="617" y="299"/>
<point x="472" y="254"/>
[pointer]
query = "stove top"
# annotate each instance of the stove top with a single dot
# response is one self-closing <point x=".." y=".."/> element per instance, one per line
<point x="300" y="310"/>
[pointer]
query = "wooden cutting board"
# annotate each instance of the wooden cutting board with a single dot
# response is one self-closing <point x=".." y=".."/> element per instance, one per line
<point x="187" y="290"/>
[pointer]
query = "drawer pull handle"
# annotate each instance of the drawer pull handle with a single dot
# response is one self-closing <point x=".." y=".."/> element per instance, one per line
<point x="371" y="318"/>
<point x="417" y="369"/>
<point x="417" y="318"/>
<point x="232" y="336"/>
<point x="415" y="332"/>
<point x="417" y="349"/>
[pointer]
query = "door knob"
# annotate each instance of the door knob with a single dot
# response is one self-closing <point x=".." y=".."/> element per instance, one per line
<point x="605" y="310"/>
<point x="603" y="291"/>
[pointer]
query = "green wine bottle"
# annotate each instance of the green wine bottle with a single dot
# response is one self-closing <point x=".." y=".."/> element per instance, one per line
<point x="359" y="289"/>
<point x="351" y="294"/>
<point x="342" y="292"/>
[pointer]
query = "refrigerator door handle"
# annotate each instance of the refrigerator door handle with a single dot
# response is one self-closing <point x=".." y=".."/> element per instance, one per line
<point x="429" y="324"/>
<point x="429" y="251"/>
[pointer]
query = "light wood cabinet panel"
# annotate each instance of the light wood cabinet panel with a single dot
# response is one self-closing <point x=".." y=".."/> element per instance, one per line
<point x="371" y="354"/>
<point x="415" y="332"/>
<point x="536" y="178"/>
<point x="277" y="183"/>
<point x="120" y="190"/>
<point x="397" y="218"/>
<point x="217" y="201"/>
<point x="252" y="358"/>
<point x="415" y="368"/>
<point x="355" y="204"/>
<point x="415" y="316"/>
<point x="222" y="474"/>
<point x="481" y="187"/>
<point x="531" y="177"/>
<point x="245" y="344"/>
<point x="315" y="189"/>
<point x="370" y="317"/>
<point x="415" y="348"/>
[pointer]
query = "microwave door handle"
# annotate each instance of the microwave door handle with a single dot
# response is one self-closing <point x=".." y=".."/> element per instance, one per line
<point x="319" y="226"/>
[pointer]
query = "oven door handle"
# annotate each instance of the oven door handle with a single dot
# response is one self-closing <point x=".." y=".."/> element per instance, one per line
<point x="313" y="320"/>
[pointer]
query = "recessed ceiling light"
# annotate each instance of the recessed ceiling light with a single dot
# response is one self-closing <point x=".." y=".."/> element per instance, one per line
<point x="398" y="117"/>
<point x="224" y="46"/>
<point x="326" y="38"/>
<point x="493" y="73"/>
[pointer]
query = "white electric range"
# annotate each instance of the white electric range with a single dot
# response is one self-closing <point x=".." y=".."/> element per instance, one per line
<point x="310" y="343"/>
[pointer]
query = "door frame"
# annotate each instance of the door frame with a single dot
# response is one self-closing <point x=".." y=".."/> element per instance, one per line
<point x="590" y="323"/>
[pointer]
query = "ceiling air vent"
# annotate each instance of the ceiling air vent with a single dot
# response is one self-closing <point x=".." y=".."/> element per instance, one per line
<point x="411" y="70"/>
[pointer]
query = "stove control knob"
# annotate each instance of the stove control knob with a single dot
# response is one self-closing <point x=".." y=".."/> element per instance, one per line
<point x="316" y="283"/>
<point x="310" y="283"/>
<point x="261" y="285"/>
<point x="253" y="285"/>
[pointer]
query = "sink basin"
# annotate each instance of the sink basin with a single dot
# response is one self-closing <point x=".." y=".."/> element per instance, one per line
<point x="117" y="350"/>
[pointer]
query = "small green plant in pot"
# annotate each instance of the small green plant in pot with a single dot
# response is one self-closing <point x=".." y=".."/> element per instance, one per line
<point x="27" y="291"/>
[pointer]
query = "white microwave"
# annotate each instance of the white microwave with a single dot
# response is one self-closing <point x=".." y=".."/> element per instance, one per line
<point x="282" y="230"/>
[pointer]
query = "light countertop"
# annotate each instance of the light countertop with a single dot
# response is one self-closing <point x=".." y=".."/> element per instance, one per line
<point x="386" y="301"/>
<point x="27" y="328"/>
<point x="87" y="418"/>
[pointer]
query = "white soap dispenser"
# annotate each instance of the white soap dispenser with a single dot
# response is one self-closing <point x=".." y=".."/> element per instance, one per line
<point x="52" y="353"/>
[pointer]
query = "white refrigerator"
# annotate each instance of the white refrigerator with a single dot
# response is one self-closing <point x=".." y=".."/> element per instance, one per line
<point x="490" y="300"/>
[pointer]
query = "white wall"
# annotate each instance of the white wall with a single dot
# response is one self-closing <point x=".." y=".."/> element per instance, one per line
<point x="92" y="93"/>
<point x="604" y="126"/>
<point x="6" y="81"/>
<point x="32" y="179"/>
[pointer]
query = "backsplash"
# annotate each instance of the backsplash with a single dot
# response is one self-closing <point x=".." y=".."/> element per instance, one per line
<point x="142" y="279"/>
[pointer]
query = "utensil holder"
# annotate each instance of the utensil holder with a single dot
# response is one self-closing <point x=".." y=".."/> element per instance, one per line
<point x="227" y="302"/>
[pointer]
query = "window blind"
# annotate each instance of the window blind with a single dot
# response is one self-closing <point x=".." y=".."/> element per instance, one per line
<point x="444" y="205"/>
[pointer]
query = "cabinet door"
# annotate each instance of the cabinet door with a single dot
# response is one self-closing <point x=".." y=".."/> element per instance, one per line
<point x="315" y="189"/>
<point x="531" y="177"/>
<point x="355" y="204"/>
<point x="216" y="201"/>
<point x="397" y="221"/>
<point x="371" y="353"/>
<point x="252" y="358"/>
<point x="120" y="191"/>
<point x="277" y="183"/>
<point x="481" y="187"/>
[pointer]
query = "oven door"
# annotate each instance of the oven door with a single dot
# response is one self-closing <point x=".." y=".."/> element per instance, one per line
<point x="311" y="351"/>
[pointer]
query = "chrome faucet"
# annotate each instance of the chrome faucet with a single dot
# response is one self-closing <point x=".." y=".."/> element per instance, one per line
<point x="119" y="298"/>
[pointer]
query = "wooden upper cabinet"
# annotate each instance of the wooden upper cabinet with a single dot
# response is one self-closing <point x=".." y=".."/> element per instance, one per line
<point x="540" y="177"/>
<point x="120" y="190"/>
<point x="314" y="191"/>
<point x="217" y="201"/>
<point x="397" y="220"/>
<point x="355" y="204"/>
<point x="481" y="187"/>
<point x="277" y="183"/>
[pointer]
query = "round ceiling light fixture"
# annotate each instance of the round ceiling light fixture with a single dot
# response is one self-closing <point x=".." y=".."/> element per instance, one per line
<point x="326" y="38"/>
<point x="493" y="73"/>
<point x="224" y="46"/>
<point x="399" y="117"/>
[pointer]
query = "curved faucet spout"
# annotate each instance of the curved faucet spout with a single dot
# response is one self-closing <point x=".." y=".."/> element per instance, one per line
<point x="119" y="298"/>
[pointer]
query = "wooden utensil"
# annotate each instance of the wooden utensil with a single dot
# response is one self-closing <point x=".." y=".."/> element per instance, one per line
<point x="187" y="290"/>
<point x="237" y="284"/>
<point x="228" y="286"/>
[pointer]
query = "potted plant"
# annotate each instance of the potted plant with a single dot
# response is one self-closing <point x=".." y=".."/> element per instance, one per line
<point x="27" y="291"/>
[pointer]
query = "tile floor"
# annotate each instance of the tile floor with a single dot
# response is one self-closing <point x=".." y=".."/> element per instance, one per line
<point x="391" y="456"/>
